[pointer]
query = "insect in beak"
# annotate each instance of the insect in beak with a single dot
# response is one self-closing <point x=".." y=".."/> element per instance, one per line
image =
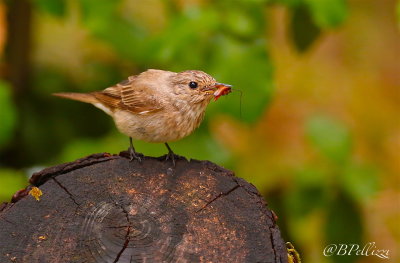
<point x="221" y="89"/>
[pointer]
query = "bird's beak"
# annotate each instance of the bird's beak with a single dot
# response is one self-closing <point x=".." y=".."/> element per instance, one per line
<point x="219" y="89"/>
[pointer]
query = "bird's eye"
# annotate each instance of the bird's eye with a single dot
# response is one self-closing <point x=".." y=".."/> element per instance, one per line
<point x="193" y="85"/>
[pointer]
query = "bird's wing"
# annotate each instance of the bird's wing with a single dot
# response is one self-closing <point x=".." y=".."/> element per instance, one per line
<point x="130" y="96"/>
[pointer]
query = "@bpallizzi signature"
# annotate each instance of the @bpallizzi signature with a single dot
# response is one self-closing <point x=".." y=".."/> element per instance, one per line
<point x="369" y="249"/>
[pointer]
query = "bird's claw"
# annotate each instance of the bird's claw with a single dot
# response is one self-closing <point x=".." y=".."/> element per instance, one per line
<point x="135" y="158"/>
<point x="133" y="155"/>
<point x="171" y="156"/>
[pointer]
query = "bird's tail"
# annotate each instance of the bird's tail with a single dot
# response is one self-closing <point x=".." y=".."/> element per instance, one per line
<point x="84" y="97"/>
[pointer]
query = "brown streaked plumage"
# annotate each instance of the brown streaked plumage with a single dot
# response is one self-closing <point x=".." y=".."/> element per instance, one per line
<point x="156" y="105"/>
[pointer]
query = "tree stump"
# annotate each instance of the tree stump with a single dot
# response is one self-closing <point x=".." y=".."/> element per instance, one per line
<point x="104" y="208"/>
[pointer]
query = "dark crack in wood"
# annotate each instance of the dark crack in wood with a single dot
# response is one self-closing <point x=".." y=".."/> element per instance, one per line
<point x="4" y="206"/>
<point x="66" y="190"/>
<point x="11" y="223"/>
<point x="273" y="243"/>
<point x="111" y="227"/>
<point x="41" y="177"/>
<point x="127" y="237"/>
<point x="218" y="196"/>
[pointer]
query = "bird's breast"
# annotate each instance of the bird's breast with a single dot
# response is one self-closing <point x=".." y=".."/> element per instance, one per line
<point x="175" y="122"/>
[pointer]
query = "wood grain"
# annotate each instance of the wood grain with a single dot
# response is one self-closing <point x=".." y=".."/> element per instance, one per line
<point x="104" y="208"/>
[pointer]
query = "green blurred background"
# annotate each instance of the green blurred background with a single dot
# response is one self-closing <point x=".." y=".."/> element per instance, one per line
<point x="319" y="132"/>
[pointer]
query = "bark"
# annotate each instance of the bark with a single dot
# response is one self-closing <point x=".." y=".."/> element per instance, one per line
<point x="104" y="208"/>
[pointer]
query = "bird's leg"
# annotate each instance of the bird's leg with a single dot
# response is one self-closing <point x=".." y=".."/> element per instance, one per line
<point x="170" y="154"/>
<point x="132" y="151"/>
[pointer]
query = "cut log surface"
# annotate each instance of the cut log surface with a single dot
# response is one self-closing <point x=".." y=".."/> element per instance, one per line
<point x="104" y="208"/>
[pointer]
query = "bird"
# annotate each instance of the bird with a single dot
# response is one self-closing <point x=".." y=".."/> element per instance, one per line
<point x="156" y="106"/>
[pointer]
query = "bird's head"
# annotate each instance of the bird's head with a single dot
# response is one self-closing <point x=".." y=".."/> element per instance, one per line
<point x="197" y="86"/>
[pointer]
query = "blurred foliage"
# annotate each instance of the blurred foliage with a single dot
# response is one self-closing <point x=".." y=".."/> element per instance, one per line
<point x="315" y="133"/>
<point x="398" y="13"/>
<point x="56" y="8"/>
<point x="309" y="17"/>
<point x="7" y="113"/>
<point x="327" y="13"/>
<point x="304" y="31"/>
<point x="11" y="181"/>
<point x="337" y="224"/>
<point x="330" y="138"/>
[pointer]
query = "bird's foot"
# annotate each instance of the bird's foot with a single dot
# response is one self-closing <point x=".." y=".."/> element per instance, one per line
<point x="170" y="154"/>
<point x="133" y="155"/>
